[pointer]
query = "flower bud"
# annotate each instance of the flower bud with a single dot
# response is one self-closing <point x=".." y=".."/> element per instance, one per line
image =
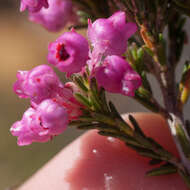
<point x="73" y="87"/>
<point x="130" y="82"/>
<point x="41" y="124"/>
<point x="37" y="84"/>
<point x="109" y="36"/>
<point x="54" y="116"/>
<point x="117" y="76"/>
<point x="69" y="52"/>
<point x="66" y="98"/>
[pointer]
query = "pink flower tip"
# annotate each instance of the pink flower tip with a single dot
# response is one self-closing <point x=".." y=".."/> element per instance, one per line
<point x="109" y="36"/>
<point x="117" y="76"/>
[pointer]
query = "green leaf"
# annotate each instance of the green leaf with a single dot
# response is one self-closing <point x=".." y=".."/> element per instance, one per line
<point x="94" y="95"/>
<point x="124" y="126"/>
<point x="83" y="100"/>
<point x="185" y="177"/>
<point x="146" y="84"/>
<point x="145" y="101"/>
<point x="148" y="50"/>
<point x="98" y="127"/>
<point x="149" y="154"/>
<point x="102" y="96"/>
<point x="94" y="86"/>
<point x="186" y="70"/>
<point x="154" y="143"/>
<point x="140" y="53"/>
<point x="79" y="81"/>
<point x="75" y="123"/>
<point x="120" y="136"/>
<point x="145" y="92"/>
<point x="162" y="152"/>
<point x="134" y="52"/>
<point x="114" y="111"/>
<point x="103" y="118"/>
<point x="155" y="162"/>
<point x="183" y="140"/>
<point x="135" y="125"/>
<point x="162" y="170"/>
<point x="144" y="152"/>
<point x="95" y="103"/>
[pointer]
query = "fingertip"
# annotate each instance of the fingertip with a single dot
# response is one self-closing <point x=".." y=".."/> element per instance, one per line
<point x="94" y="162"/>
<point x="155" y="126"/>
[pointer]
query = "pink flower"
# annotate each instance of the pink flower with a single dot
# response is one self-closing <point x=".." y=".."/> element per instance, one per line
<point x="37" y="84"/>
<point x="42" y="83"/>
<point x="69" y="52"/>
<point x="54" y="18"/>
<point x="54" y="116"/>
<point x="131" y="82"/>
<point x="41" y="124"/>
<point x="48" y="118"/>
<point x="117" y="76"/>
<point x="67" y="99"/>
<point x="33" y="5"/>
<point x="109" y="36"/>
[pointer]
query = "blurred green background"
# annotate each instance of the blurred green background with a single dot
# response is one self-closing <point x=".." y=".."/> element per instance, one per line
<point x="23" y="45"/>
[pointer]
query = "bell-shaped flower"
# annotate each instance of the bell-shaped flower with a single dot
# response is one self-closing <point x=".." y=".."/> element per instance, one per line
<point x="41" y="124"/>
<point x="54" y="18"/>
<point x="37" y="84"/>
<point x="109" y="36"/>
<point x="69" y="52"/>
<point x="117" y="76"/>
<point x="33" y="5"/>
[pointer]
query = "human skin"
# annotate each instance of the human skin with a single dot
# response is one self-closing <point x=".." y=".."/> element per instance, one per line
<point x="94" y="162"/>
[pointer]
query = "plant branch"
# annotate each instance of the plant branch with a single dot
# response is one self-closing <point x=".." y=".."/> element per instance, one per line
<point x="168" y="86"/>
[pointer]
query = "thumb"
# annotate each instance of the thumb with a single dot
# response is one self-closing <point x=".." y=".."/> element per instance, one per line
<point x="94" y="162"/>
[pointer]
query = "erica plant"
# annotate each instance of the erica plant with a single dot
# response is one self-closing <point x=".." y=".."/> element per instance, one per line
<point x="124" y="43"/>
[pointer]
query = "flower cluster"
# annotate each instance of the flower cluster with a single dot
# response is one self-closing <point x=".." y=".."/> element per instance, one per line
<point x="113" y="58"/>
<point x="53" y="104"/>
